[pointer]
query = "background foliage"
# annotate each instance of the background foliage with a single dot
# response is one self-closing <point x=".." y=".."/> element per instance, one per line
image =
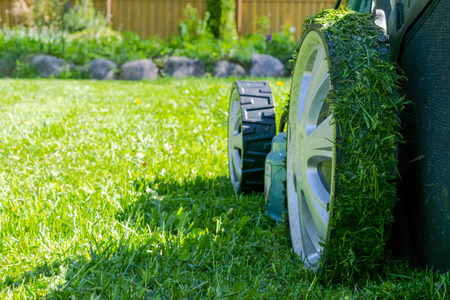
<point x="86" y="36"/>
<point x="222" y="18"/>
<point x="61" y="15"/>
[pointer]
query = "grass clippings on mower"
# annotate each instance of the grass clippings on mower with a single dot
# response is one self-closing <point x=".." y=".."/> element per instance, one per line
<point x="366" y="104"/>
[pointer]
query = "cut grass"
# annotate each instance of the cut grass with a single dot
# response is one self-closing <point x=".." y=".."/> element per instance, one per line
<point x="119" y="190"/>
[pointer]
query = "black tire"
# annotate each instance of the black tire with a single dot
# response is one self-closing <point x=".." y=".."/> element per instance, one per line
<point x="251" y="128"/>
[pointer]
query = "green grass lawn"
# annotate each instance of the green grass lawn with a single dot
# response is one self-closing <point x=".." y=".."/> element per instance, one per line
<point x="119" y="190"/>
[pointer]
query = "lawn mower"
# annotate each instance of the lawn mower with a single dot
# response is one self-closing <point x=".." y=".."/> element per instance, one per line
<point x="356" y="175"/>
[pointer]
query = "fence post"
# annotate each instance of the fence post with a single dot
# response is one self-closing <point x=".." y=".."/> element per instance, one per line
<point x="108" y="11"/>
<point x="239" y="16"/>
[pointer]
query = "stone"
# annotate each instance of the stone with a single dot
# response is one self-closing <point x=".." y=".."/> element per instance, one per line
<point x="139" y="69"/>
<point x="180" y="67"/>
<point x="266" y="66"/>
<point x="225" y="68"/>
<point x="48" y="65"/>
<point x="102" y="69"/>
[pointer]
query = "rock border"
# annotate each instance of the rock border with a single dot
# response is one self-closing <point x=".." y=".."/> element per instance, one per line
<point x="146" y="69"/>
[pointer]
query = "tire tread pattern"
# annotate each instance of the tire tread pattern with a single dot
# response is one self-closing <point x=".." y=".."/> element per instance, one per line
<point x="258" y="126"/>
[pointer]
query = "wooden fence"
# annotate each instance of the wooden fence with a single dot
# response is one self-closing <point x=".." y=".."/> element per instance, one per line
<point x="161" y="17"/>
<point x="5" y="16"/>
<point x="281" y="13"/>
<point x="151" y="17"/>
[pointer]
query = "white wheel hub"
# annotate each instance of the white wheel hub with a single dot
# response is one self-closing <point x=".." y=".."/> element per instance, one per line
<point x="310" y="150"/>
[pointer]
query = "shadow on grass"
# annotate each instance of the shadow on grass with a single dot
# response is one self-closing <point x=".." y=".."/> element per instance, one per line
<point x="50" y="269"/>
<point x="194" y="239"/>
<point x="158" y="198"/>
<point x="183" y="234"/>
<point x="114" y="270"/>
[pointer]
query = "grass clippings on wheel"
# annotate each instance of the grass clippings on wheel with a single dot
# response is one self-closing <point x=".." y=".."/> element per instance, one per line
<point x="366" y="104"/>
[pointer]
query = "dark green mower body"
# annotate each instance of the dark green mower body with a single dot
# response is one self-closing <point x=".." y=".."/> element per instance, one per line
<point x="419" y="38"/>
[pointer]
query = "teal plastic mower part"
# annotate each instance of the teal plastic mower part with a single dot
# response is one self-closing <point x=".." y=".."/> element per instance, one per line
<point x="275" y="178"/>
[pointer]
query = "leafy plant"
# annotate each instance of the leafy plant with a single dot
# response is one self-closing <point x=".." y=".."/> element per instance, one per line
<point x="281" y="45"/>
<point x="58" y="14"/>
<point x="23" y="69"/>
<point x="194" y="39"/>
<point x="222" y="18"/>
<point x="192" y="26"/>
<point x="40" y="13"/>
<point x="19" y="44"/>
<point x="83" y="16"/>
<point x="243" y="49"/>
<point x="263" y="25"/>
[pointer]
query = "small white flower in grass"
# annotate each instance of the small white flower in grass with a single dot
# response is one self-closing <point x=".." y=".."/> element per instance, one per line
<point x="168" y="148"/>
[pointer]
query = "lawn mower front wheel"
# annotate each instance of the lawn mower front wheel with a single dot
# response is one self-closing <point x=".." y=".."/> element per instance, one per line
<point x="251" y="128"/>
<point x="310" y="150"/>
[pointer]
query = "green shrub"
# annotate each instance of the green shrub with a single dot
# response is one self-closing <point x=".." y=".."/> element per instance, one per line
<point x="222" y="18"/>
<point x="243" y="49"/>
<point x="195" y="39"/>
<point x="23" y="69"/>
<point x="40" y="13"/>
<point x="282" y="46"/>
<point x="59" y="14"/>
<point x="192" y="26"/>
<point x="17" y="45"/>
<point x="134" y="47"/>
<point x="83" y="16"/>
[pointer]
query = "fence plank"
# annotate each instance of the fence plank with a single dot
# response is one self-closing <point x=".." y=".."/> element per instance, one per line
<point x="5" y="13"/>
<point x="161" y="17"/>
<point x="281" y="13"/>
